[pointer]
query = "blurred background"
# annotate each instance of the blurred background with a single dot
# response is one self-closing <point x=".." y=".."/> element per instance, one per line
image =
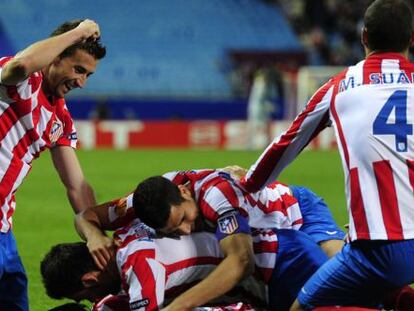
<point x="196" y="73"/>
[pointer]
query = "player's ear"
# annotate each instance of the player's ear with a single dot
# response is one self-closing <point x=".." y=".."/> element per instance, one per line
<point x="185" y="192"/>
<point x="364" y="37"/>
<point x="90" y="279"/>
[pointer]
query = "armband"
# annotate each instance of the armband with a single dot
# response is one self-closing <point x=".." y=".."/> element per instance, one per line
<point x="231" y="223"/>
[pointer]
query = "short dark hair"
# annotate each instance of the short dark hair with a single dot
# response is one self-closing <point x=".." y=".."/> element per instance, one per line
<point x="63" y="267"/>
<point x="152" y="201"/>
<point x="91" y="46"/>
<point x="389" y="25"/>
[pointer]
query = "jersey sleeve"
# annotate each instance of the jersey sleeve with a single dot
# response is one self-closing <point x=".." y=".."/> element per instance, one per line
<point x="284" y="148"/>
<point x="145" y="280"/>
<point x="121" y="211"/>
<point x="69" y="136"/>
<point x="220" y="203"/>
<point x="3" y="61"/>
<point x="22" y="91"/>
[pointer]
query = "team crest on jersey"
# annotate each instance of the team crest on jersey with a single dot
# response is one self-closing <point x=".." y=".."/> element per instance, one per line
<point x="136" y="305"/>
<point x="142" y="232"/>
<point x="228" y="224"/>
<point x="56" y="131"/>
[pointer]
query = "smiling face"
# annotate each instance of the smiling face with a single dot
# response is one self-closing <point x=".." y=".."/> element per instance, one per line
<point x="184" y="216"/>
<point x="68" y="73"/>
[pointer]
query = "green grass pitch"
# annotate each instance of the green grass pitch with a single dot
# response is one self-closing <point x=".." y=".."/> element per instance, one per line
<point x="44" y="218"/>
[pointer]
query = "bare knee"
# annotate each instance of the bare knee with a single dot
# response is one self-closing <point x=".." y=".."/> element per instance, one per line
<point x="331" y="247"/>
<point x="296" y="306"/>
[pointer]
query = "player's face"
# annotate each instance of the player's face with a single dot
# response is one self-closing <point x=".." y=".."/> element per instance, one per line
<point x="90" y="293"/>
<point x="183" y="217"/>
<point x="68" y="73"/>
<point x="105" y="283"/>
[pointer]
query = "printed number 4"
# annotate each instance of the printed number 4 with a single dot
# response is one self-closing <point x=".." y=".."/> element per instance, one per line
<point x="400" y="129"/>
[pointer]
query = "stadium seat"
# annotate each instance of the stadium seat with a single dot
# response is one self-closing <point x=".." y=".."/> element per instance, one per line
<point x="156" y="47"/>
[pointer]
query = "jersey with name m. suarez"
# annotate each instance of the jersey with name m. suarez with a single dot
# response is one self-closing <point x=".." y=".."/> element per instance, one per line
<point x="371" y="106"/>
<point x="30" y="123"/>
<point x="156" y="270"/>
<point x="217" y="193"/>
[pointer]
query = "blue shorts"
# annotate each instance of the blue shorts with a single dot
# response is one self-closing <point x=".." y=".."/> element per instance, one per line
<point x="13" y="280"/>
<point x="298" y="257"/>
<point x="318" y="222"/>
<point x="361" y="274"/>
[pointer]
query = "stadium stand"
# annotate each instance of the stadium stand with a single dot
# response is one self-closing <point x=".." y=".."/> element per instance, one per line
<point x="6" y="47"/>
<point x="158" y="47"/>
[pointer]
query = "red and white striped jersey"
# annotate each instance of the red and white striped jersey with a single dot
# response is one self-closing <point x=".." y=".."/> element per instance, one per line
<point x="371" y="106"/>
<point x="156" y="270"/>
<point x="29" y="124"/>
<point x="216" y="193"/>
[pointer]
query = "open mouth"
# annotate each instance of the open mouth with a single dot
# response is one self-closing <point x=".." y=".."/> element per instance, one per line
<point x="68" y="86"/>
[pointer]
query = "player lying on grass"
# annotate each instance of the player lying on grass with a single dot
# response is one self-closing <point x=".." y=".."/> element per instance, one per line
<point x="153" y="270"/>
<point x="311" y="215"/>
<point x="154" y="197"/>
<point x="288" y="207"/>
<point x="119" y="212"/>
<point x="273" y="207"/>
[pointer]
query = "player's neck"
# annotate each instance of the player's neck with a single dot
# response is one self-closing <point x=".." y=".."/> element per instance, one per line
<point x="369" y="53"/>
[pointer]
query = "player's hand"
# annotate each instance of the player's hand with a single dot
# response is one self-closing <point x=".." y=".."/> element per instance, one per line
<point x="89" y="29"/>
<point x="235" y="171"/>
<point x="102" y="249"/>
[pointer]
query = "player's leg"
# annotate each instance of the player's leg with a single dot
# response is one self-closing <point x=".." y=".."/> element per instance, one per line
<point x="13" y="281"/>
<point x="297" y="259"/>
<point x="361" y="274"/>
<point x="318" y="222"/>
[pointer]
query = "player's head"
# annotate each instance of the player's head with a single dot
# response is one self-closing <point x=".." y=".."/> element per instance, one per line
<point x="164" y="206"/>
<point x="68" y="271"/>
<point x="74" y="65"/>
<point x="388" y="26"/>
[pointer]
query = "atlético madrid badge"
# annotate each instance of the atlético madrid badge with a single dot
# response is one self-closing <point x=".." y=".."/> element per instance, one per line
<point x="56" y="131"/>
<point x="228" y="224"/>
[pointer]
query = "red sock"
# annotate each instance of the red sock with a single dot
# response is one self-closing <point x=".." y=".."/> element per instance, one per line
<point x="401" y="299"/>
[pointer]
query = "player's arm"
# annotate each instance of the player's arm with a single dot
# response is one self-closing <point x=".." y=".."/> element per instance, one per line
<point x="79" y="192"/>
<point x="89" y="225"/>
<point x="237" y="172"/>
<point x="92" y="222"/>
<point x="284" y="148"/>
<point x="237" y="264"/>
<point x="42" y="53"/>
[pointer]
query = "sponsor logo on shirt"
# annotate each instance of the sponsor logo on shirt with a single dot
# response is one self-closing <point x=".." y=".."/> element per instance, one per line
<point x="135" y="305"/>
<point x="56" y="131"/>
<point x="228" y="224"/>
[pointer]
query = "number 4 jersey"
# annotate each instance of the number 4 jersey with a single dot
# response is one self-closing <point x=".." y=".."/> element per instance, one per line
<point x="371" y="106"/>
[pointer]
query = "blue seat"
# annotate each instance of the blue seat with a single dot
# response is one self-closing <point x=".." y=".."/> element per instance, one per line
<point x="159" y="47"/>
